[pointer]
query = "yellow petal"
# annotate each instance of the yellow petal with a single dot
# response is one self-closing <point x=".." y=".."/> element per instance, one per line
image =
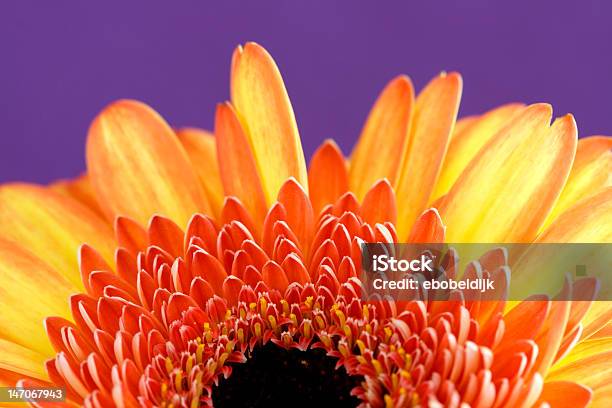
<point x="434" y="117"/>
<point x="594" y="371"/>
<point x="261" y="100"/>
<point x="202" y="151"/>
<point x="53" y="227"/>
<point x="591" y="172"/>
<point x="139" y="168"/>
<point x="30" y="291"/>
<point x="384" y="137"/>
<point x="588" y="221"/>
<point x="584" y="349"/>
<point x="507" y="190"/>
<point x="468" y="141"/>
<point x="21" y="360"/>
<point x="239" y="173"/>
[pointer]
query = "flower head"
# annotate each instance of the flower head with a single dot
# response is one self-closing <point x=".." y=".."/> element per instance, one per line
<point x="208" y="266"/>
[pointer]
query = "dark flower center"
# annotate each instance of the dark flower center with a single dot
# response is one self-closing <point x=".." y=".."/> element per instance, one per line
<point x="274" y="377"/>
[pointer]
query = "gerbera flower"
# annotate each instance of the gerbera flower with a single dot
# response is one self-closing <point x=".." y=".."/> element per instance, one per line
<point x="185" y="269"/>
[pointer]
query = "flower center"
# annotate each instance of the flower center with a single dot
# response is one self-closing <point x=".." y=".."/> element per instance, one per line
<point x="274" y="376"/>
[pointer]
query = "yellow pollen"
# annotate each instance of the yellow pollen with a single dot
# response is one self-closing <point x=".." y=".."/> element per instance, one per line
<point x="326" y="340"/>
<point x="394" y="380"/>
<point x="361" y="345"/>
<point x="377" y="366"/>
<point x="388" y="401"/>
<point x="229" y="347"/>
<point x="263" y="305"/>
<point x="199" y="352"/>
<point x="178" y="381"/>
<point x="366" y="312"/>
<point x="307" y="329"/>
<point x="228" y="314"/>
<point x="164" y="390"/>
<point x="241" y="335"/>
<point x="272" y="321"/>
<point x="285" y="306"/>
<point x="388" y="333"/>
<point x="341" y="317"/>
<point x="408" y="360"/>
<point x="343" y="350"/>
<point x="252" y="306"/>
<point x="212" y="366"/>
<point x="320" y="322"/>
<point x="287" y="339"/>
<point x="368" y="328"/>
<point x="242" y="313"/>
<point x="258" y="329"/>
<point x="309" y="301"/>
<point x="169" y="366"/>
<point x="222" y="359"/>
<point x="293" y="319"/>
<point x="347" y="331"/>
<point x="189" y="364"/>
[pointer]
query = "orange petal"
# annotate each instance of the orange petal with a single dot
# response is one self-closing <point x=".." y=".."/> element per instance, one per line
<point x="428" y="228"/>
<point x="384" y="137"/>
<point x="139" y="168"/>
<point x="299" y="213"/>
<point x="507" y="190"/>
<point x="327" y="175"/>
<point x="260" y="98"/>
<point x="274" y="276"/>
<point x="565" y="394"/>
<point x="80" y="189"/>
<point x="379" y="204"/>
<point x="434" y="118"/>
<point x="130" y="235"/>
<point x="591" y="173"/>
<point x="468" y="141"/>
<point x="201" y="148"/>
<point x="239" y="173"/>
<point x="23" y="277"/>
<point x="52" y="226"/>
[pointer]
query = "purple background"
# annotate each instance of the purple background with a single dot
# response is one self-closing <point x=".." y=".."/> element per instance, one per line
<point x="62" y="61"/>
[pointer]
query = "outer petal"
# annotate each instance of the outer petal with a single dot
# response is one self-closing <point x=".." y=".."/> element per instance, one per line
<point x="138" y="167"/>
<point x="588" y="221"/>
<point x="202" y="151"/>
<point x="80" y="189"/>
<point x="593" y="371"/>
<point x="592" y="171"/>
<point x="26" y="278"/>
<point x="507" y="190"/>
<point x="52" y="226"/>
<point x="434" y="118"/>
<point x="467" y="141"/>
<point x="260" y="97"/>
<point x="327" y="175"/>
<point x="239" y="173"/>
<point x="21" y="360"/>
<point x="384" y="137"/>
<point x="565" y="394"/>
